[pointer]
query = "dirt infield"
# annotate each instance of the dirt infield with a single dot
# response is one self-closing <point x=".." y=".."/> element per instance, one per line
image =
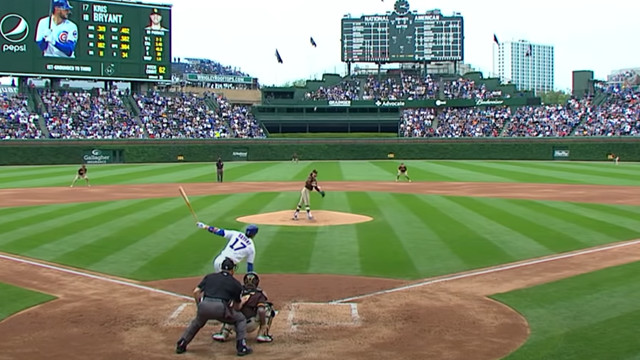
<point x="101" y="317"/>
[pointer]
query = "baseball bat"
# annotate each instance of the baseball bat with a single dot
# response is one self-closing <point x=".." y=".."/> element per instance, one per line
<point x="186" y="200"/>
<point x="50" y="12"/>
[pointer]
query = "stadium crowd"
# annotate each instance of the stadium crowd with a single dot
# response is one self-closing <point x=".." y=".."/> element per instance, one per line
<point x="189" y="116"/>
<point x="613" y="111"/>
<point x="82" y="115"/>
<point x="180" y="67"/>
<point x="104" y="115"/>
<point x="16" y="120"/>
<point x="348" y="89"/>
<point x="179" y="116"/>
<point x="204" y="66"/>
<point x="412" y="87"/>
<point x="471" y="122"/>
<point x="619" y="115"/>
<point x="240" y="120"/>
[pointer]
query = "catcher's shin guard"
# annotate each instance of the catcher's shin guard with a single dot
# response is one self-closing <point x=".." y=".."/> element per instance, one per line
<point x="269" y="313"/>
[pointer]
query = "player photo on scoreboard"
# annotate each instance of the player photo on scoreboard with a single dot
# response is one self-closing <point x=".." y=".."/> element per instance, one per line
<point x="56" y="35"/>
<point x="155" y="22"/>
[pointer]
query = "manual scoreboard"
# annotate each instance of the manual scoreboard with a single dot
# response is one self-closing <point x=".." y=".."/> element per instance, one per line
<point x="403" y="36"/>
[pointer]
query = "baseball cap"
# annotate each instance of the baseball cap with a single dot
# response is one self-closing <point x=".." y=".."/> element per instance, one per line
<point x="64" y="4"/>
<point x="155" y="11"/>
<point x="227" y="264"/>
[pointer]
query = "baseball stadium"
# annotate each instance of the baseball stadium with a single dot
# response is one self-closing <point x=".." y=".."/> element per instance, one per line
<point x="445" y="214"/>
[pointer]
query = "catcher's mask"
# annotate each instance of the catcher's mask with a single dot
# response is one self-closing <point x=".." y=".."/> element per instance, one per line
<point x="251" y="280"/>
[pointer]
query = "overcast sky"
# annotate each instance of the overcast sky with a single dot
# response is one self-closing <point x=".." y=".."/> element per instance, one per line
<point x="595" y="35"/>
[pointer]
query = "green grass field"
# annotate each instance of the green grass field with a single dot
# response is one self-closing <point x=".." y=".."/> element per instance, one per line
<point x="14" y="299"/>
<point x="426" y="235"/>
<point x="591" y="316"/>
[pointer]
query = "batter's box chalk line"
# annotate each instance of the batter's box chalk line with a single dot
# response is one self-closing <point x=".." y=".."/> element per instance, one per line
<point x="182" y="315"/>
<point x="323" y="314"/>
<point x="179" y="314"/>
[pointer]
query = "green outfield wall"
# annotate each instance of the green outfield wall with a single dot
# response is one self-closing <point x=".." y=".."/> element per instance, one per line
<point x="40" y="152"/>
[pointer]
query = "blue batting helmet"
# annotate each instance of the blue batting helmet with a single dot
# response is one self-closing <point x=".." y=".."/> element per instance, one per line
<point x="252" y="230"/>
<point x="64" y="4"/>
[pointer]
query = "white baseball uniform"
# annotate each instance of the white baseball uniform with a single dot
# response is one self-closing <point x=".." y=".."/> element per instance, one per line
<point x="60" y="40"/>
<point x="239" y="247"/>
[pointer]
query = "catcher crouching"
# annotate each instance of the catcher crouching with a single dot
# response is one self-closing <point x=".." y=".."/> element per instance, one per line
<point x="257" y="309"/>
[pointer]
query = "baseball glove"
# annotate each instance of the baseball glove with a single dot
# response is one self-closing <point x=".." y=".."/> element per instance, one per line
<point x="322" y="193"/>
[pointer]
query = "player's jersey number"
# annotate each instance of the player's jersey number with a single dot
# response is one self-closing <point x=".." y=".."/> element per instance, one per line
<point x="237" y="245"/>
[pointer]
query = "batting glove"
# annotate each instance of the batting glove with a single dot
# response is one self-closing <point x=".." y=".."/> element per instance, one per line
<point x="202" y="225"/>
<point x="49" y="37"/>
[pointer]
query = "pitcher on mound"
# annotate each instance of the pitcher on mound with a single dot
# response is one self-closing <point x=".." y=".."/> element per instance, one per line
<point x="309" y="185"/>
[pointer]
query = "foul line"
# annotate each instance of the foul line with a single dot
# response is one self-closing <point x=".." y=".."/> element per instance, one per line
<point x="98" y="277"/>
<point x="485" y="271"/>
<point x="345" y="300"/>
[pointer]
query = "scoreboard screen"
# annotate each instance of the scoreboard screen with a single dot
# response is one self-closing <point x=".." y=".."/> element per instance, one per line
<point x="402" y="36"/>
<point x="86" y="39"/>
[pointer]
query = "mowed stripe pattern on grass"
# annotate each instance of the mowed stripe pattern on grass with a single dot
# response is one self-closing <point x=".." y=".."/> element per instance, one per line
<point x="411" y="236"/>
<point x="590" y="316"/>
<point x="487" y="171"/>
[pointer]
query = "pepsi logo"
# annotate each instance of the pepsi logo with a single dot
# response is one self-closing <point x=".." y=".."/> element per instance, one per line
<point x="14" y="28"/>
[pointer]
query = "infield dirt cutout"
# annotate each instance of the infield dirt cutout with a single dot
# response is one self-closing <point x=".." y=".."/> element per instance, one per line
<point x="102" y="317"/>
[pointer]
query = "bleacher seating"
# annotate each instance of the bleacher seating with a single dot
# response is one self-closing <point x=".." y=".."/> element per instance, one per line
<point x="614" y="110"/>
<point x="83" y="115"/>
<point x="16" y="120"/>
<point x="618" y="115"/>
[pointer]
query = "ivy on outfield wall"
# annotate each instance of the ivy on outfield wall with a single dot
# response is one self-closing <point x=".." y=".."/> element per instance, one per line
<point x="41" y="152"/>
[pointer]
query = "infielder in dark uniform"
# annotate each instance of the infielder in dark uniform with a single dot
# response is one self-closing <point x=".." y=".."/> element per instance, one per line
<point x="82" y="174"/>
<point x="218" y="297"/>
<point x="257" y="309"/>
<point x="309" y="185"/>
<point x="402" y="170"/>
<point x="219" y="169"/>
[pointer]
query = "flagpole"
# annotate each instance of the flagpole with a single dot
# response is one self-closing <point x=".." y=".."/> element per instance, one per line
<point x="493" y="58"/>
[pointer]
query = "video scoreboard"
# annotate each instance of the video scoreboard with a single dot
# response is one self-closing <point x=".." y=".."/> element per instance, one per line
<point x="86" y="39"/>
<point x="403" y="36"/>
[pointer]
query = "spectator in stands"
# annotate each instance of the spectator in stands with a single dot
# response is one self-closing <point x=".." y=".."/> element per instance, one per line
<point x="82" y="115"/>
<point x="16" y="120"/>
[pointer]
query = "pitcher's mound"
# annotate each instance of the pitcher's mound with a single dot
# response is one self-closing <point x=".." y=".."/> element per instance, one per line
<point x="320" y="218"/>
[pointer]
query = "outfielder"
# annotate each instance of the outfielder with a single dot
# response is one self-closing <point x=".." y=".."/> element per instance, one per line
<point x="56" y="35"/>
<point x="239" y="246"/>
<point x="309" y="185"/>
<point x="256" y="308"/>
